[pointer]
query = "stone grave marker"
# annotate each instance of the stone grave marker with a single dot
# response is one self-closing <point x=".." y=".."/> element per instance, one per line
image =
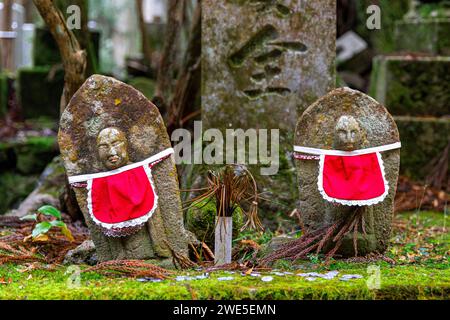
<point x="117" y="155"/>
<point x="263" y="63"/>
<point x="348" y="120"/>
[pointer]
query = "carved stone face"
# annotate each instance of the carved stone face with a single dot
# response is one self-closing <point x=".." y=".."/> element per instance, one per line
<point x="347" y="134"/>
<point x="112" y="148"/>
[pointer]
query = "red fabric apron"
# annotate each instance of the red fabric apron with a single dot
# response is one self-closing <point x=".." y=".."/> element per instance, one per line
<point x="353" y="178"/>
<point x="122" y="198"/>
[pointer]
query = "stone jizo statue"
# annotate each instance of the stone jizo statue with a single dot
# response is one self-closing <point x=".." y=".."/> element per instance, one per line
<point x="347" y="150"/>
<point x="119" y="160"/>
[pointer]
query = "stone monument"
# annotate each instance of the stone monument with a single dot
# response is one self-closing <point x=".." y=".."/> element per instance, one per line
<point x="340" y="123"/>
<point x="263" y="63"/>
<point x="119" y="160"/>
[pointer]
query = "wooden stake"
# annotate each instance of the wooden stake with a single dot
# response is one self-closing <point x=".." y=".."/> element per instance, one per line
<point x="223" y="237"/>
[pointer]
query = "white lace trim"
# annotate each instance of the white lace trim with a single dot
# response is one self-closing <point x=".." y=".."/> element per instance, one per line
<point x="154" y="158"/>
<point x="367" y="202"/>
<point x="128" y="223"/>
<point x="359" y="152"/>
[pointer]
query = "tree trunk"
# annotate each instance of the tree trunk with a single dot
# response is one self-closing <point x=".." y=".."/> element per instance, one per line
<point x="167" y="64"/>
<point x="187" y="89"/>
<point x="28" y="4"/>
<point x="146" y="50"/>
<point x="74" y="62"/>
<point x="73" y="57"/>
<point x="7" y="41"/>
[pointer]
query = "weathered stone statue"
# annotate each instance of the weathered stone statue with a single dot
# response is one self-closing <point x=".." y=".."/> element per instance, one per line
<point x="118" y="157"/>
<point x="347" y="151"/>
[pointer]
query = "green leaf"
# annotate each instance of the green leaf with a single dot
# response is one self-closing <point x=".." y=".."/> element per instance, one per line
<point x="64" y="230"/>
<point x="41" y="228"/>
<point x="58" y="223"/>
<point x="50" y="211"/>
<point x="30" y="217"/>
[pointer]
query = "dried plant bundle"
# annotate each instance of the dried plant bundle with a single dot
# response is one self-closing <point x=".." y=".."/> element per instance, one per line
<point x="327" y="240"/>
<point x="231" y="188"/>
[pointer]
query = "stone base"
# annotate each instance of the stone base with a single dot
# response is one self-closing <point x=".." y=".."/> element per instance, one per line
<point x="416" y="86"/>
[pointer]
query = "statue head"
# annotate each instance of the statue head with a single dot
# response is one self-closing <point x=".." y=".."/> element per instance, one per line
<point x="347" y="134"/>
<point x="112" y="148"/>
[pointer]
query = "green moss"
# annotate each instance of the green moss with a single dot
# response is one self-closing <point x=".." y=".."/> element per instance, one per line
<point x="401" y="282"/>
<point x="34" y="154"/>
<point x="200" y="219"/>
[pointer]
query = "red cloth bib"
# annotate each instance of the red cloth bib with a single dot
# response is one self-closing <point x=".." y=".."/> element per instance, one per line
<point x="352" y="180"/>
<point x="122" y="200"/>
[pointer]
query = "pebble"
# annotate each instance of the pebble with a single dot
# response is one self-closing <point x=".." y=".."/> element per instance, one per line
<point x="309" y="274"/>
<point x="146" y="279"/>
<point x="183" y="278"/>
<point x="328" y="276"/>
<point x="203" y="276"/>
<point x="225" y="278"/>
<point x="186" y="278"/>
<point x="267" y="279"/>
<point x="347" y="277"/>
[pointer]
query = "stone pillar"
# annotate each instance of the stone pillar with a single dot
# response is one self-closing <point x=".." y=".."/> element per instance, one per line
<point x="263" y="63"/>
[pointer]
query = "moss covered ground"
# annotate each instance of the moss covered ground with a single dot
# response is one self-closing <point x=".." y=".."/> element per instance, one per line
<point x="420" y="248"/>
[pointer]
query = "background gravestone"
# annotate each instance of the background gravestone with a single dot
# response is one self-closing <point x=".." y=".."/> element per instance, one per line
<point x="316" y="129"/>
<point x="104" y="102"/>
<point x="414" y="84"/>
<point x="263" y="63"/>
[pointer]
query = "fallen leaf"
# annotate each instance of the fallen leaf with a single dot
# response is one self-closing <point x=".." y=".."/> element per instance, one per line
<point x="41" y="238"/>
<point x="249" y="271"/>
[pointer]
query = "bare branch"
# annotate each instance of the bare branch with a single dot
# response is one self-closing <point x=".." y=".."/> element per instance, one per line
<point x="145" y="40"/>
